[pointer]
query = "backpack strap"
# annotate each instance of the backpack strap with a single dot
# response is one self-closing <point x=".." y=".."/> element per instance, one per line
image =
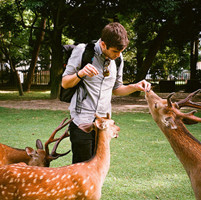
<point x="87" y="56"/>
<point x="118" y="62"/>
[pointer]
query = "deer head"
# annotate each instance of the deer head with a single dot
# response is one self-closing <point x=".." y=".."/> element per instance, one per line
<point x="102" y="124"/>
<point x="164" y="112"/>
<point x="42" y="157"/>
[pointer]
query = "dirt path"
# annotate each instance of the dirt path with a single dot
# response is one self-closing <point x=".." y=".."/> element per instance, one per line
<point x="119" y="104"/>
<point x="58" y="105"/>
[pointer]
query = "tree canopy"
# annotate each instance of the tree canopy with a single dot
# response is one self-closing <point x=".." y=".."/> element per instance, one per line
<point x="161" y="33"/>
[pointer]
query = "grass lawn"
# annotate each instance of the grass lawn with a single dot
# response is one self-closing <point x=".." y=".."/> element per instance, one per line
<point x="143" y="165"/>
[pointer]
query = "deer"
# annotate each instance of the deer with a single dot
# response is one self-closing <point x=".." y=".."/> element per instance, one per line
<point x="80" y="181"/>
<point x="40" y="157"/>
<point x="172" y="122"/>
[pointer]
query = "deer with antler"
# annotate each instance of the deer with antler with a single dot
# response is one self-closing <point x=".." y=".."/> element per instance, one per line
<point x="171" y="121"/>
<point x="40" y="157"/>
<point x="80" y="181"/>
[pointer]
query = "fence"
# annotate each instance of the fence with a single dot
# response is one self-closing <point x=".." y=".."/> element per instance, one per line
<point x="39" y="77"/>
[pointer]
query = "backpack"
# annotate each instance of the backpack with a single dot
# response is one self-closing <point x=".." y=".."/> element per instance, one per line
<point x="87" y="57"/>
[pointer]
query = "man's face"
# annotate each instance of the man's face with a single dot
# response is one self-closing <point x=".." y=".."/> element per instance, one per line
<point x="112" y="53"/>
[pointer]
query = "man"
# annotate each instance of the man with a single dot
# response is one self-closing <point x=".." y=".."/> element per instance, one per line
<point x="100" y="79"/>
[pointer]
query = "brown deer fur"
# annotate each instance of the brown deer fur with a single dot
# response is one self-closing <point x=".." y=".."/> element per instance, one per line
<point x="170" y="120"/>
<point x="81" y="181"/>
<point x="41" y="157"/>
<point x="10" y="155"/>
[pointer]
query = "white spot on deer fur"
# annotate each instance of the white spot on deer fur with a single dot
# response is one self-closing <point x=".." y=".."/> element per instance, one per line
<point x="69" y="176"/>
<point x="10" y="193"/>
<point x="86" y="193"/>
<point x="63" y="176"/>
<point x="85" y="180"/>
<point x="75" y="173"/>
<point x="48" y="180"/>
<point x="41" y="177"/>
<point x="72" y="196"/>
<point x="79" y="193"/>
<point x="92" y="187"/>
<point x="11" y="180"/>
<point x="53" y="190"/>
<point x="34" y="181"/>
<point x="40" y="190"/>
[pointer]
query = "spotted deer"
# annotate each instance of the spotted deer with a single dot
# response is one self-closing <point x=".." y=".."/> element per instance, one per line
<point x="40" y="157"/>
<point x="171" y="121"/>
<point x="80" y="181"/>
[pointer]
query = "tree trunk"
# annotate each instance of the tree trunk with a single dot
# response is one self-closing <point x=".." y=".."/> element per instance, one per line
<point x="57" y="64"/>
<point x="194" y="58"/>
<point x="17" y="78"/>
<point x="153" y="49"/>
<point x="35" y="54"/>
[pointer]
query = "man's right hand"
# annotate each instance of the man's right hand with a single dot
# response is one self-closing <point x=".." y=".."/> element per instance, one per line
<point x="88" y="70"/>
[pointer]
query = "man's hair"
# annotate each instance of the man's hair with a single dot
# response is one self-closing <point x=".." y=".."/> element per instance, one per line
<point x="115" y="35"/>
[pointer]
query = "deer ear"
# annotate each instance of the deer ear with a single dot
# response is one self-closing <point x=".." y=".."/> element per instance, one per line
<point x="30" y="152"/>
<point x="39" y="144"/>
<point x="101" y="124"/>
<point x="169" y="122"/>
<point x="87" y="127"/>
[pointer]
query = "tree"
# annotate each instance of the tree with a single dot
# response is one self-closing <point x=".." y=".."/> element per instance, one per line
<point x="22" y="8"/>
<point x="155" y="23"/>
<point x="11" y="44"/>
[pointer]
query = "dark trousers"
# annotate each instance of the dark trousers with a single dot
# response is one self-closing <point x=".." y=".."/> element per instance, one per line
<point x="82" y="144"/>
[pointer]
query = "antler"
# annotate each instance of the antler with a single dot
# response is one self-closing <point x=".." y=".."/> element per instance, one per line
<point x="187" y="101"/>
<point x="52" y="139"/>
<point x="54" y="154"/>
<point x="187" y="118"/>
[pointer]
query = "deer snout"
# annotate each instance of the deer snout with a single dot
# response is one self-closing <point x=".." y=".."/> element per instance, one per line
<point x="116" y="135"/>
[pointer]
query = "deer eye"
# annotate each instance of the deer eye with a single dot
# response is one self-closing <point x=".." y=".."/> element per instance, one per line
<point x="155" y="105"/>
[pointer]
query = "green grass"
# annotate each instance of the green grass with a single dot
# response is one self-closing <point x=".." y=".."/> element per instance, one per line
<point x="143" y="165"/>
<point x="32" y="95"/>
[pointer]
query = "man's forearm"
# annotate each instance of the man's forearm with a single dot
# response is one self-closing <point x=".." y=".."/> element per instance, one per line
<point x="125" y="90"/>
<point x="70" y="81"/>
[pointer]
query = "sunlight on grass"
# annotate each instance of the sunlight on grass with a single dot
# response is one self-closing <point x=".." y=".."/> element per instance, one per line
<point x="143" y="164"/>
<point x="32" y="95"/>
